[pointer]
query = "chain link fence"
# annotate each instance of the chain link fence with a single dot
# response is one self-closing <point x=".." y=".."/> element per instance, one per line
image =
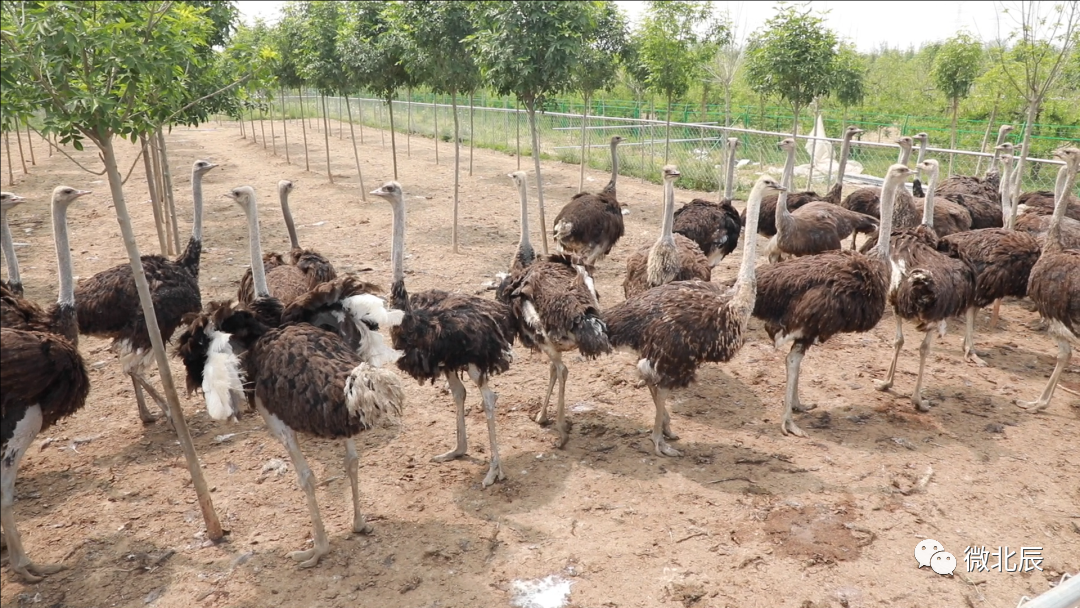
<point x="696" y="148"/>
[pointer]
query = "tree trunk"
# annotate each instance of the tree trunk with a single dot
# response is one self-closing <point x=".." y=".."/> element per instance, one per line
<point x="393" y="136"/>
<point x="214" y="531"/>
<point x="340" y="127"/>
<point x="952" y="136"/>
<point x="530" y="107"/>
<point x="166" y="174"/>
<point x="251" y="117"/>
<point x="243" y="134"/>
<point x="727" y="105"/>
<point x="285" y="126"/>
<point x="408" y="133"/>
<point x="326" y="139"/>
<point x="360" y="117"/>
<point x="18" y="140"/>
<point x="472" y="132"/>
<point x="457" y="169"/>
<point x="273" y="135"/>
<point x="29" y="143"/>
<point x="356" y="155"/>
<point x="303" y="127"/>
<point x="435" y="109"/>
<point x="1029" y="126"/>
<point x="517" y="127"/>
<point x="151" y="183"/>
<point x="7" y="149"/>
<point x="584" y="147"/>
<point x="986" y="135"/>
<point x="159" y="193"/>
<point x="262" y="127"/>
<point x="667" y="132"/>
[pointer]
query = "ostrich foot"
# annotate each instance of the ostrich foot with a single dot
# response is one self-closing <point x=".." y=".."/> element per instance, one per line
<point x="542" y="418"/>
<point x="669" y="434"/>
<point x="662" y="448"/>
<point x="882" y="385"/>
<point x="971" y="356"/>
<point x="35" y="573"/>
<point x="922" y="405"/>
<point x="453" y="454"/>
<point x="360" y="526"/>
<point x="788" y="427"/>
<point x="564" y="435"/>
<point x="495" y="473"/>
<point x="798" y="406"/>
<point x="1033" y="406"/>
<point x="309" y="558"/>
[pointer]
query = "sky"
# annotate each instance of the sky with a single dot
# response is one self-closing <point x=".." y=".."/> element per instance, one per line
<point x="869" y="25"/>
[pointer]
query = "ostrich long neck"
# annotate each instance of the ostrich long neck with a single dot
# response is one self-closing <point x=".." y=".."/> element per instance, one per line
<point x="729" y="179"/>
<point x="746" y="283"/>
<point x="922" y="150"/>
<point x="258" y="273"/>
<point x="928" y="202"/>
<point x="889" y="194"/>
<point x="905" y="154"/>
<point x="1066" y="179"/>
<point x="399" y="297"/>
<point x="525" y="253"/>
<point x="63" y="314"/>
<point x="667" y="235"/>
<point x="193" y="252"/>
<point x="783" y="214"/>
<point x="9" y="250"/>
<point x="1008" y="211"/>
<point x="610" y="188"/>
<point x="845" y="149"/>
<point x="283" y="194"/>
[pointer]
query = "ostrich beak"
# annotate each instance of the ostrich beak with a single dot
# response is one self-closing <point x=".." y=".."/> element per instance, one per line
<point x="15" y="198"/>
<point x="80" y="193"/>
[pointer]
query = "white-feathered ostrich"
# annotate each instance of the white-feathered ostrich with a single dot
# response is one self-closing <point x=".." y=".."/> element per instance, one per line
<point x="337" y="393"/>
<point x="555" y="309"/>
<point x="676" y="327"/>
<point x="446" y="334"/>
<point x="927" y="287"/>
<point x="13" y="283"/>
<point x="1054" y="285"/>
<point x="815" y="227"/>
<point x="590" y="224"/>
<point x="305" y="269"/>
<point x="715" y="227"/>
<point x="43" y="379"/>
<point x="808" y="300"/>
<point x="108" y="302"/>
<point x="673" y="257"/>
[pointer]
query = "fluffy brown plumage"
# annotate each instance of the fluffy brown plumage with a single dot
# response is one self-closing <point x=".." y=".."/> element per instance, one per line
<point x="590" y="224"/>
<point x="714" y="227"/>
<point x="1042" y="203"/>
<point x="1038" y="226"/>
<point x="767" y="214"/>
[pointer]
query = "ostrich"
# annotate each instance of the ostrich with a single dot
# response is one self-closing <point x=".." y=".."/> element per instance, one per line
<point x="815" y="227"/>
<point x="713" y="226"/>
<point x="795" y="200"/>
<point x="13" y="284"/>
<point x="289" y="281"/>
<point x="1038" y="226"/>
<point x="555" y="310"/>
<point x="17" y="312"/>
<point x="868" y="200"/>
<point x="677" y="326"/>
<point x="673" y="257"/>
<point x="108" y="302"/>
<point x="835" y="194"/>
<point x="807" y="300"/>
<point x="43" y="379"/>
<point x="1002" y="260"/>
<point x="590" y="224"/>
<point x="445" y="334"/>
<point x="1054" y="285"/>
<point x="916" y="184"/>
<point x="1041" y="202"/>
<point x="339" y="391"/>
<point x="927" y="286"/>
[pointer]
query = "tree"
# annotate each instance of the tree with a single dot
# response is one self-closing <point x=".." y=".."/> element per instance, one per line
<point x="1041" y="46"/>
<point x="676" y="37"/>
<point x="597" y="67"/>
<point x="794" y="58"/>
<point x="956" y="66"/>
<point x="726" y="65"/>
<point x="530" y="49"/>
<point x="287" y="69"/>
<point x="91" y="67"/>
<point x="320" y="64"/>
<point x="440" y="58"/>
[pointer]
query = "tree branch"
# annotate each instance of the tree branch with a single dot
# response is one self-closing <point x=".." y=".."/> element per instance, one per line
<point x="60" y="150"/>
<point x="235" y="83"/>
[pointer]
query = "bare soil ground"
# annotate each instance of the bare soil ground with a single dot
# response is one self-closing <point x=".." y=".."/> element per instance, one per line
<point x="746" y="517"/>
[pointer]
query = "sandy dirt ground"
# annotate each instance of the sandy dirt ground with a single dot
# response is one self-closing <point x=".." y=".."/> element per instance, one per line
<point x="746" y="517"/>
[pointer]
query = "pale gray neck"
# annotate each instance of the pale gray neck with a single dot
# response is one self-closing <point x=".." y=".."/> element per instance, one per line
<point x="523" y="195"/>
<point x="1008" y="211"/>
<point x="283" y="194"/>
<point x="789" y="170"/>
<point x="666" y="228"/>
<point x="782" y="211"/>
<point x="889" y="194"/>
<point x="397" y="247"/>
<point x="928" y="202"/>
<point x="905" y="155"/>
<point x="63" y="254"/>
<point x="729" y="179"/>
<point x="1002" y="134"/>
<point x="1063" y="186"/>
<point x="196" y="199"/>
<point x="258" y="273"/>
<point x="845" y="149"/>
<point x="9" y="249"/>
<point x="614" y="163"/>
<point x="922" y="151"/>
<point x="753" y="207"/>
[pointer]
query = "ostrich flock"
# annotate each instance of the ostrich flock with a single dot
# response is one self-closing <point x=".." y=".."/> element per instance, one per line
<point x="305" y="348"/>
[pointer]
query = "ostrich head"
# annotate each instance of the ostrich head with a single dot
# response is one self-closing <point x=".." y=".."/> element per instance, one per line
<point x="9" y="200"/>
<point x="904" y="142"/>
<point x="285" y="186"/>
<point x="900" y="171"/>
<point x="200" y="167"/>
<point x="767" y="183"/>
<point x="519" y="177"/>
<point x="390" y="191"/>
<point x="1005" y="130"/>
<point x="922" y="137"/>
<point x="1005" y="148"/>
<point x="929" y="168"/>
<point x="616" y="140"/>
<point x="65" y="195"/>
<point x="671" y="173"/>
<point x="243" y="196"/>
<point x="787" y="144"/>
<point x="1070" y="156"/>
<point x="852" y="131"/>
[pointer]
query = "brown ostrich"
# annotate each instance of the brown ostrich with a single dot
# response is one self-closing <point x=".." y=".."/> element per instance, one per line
<point x="868" y="200"/>
<point x="590" y="224"/>
<point x="43" y="379"/>
<point x="673" y="257"/>
<point x="339" y="391"/>
<point x="926" y="286"/>
<point x="555" y="310"/>
<point x="305" y="269"/>
<point x="677" y="326"/>
<point x="447" y="334"/>
<point x="1054" y="285"/>
<point x="808" y="300"/>
<point x="108" y="302"/>
<point x="715" y="227"/>
<point x="13" y="283"/>
<point x="835" y="194"/>
<point x="1041" y="202"/>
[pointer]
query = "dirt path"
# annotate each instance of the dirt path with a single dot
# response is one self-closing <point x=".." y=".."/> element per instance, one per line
<point x="746" y="517"/>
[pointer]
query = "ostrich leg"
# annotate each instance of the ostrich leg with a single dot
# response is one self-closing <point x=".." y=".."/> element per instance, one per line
<point x="553" y="374"/>
<point x="924" y="351"/>
<point x="969" y="337"/>
<point x="662" y="423"/>
<point x="495" y="472"/>
<point x="994" y="313"/>
<point x="23" y="435"/>
<point x="144" y="413"/>
<point x="352" y="465"/>
<point x="141" y="383"/>
<point x="898" y="343"/>
<point x="791" y="395"/>
<point x="1043" y="402"/>
<point x="457" y="389"/>
<point x="309" y="558"/>
<point x="560" y="415"/>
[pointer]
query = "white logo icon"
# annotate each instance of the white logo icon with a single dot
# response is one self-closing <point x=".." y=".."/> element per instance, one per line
<point x="925" y="550"/>
<point x="943" y="562"/>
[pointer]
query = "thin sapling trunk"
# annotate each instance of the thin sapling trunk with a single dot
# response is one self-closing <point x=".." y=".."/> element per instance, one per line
<point x="356" y="155"/>
<point x="30" y="143"/>
<point x="584" y="147"/>
<point x="393" y="137"/>
<point x="530" y="107"/>
<point x="166" y="175"/>
<point x="151" y="183"/>
<point x="303" y="127"/>
<point x="326" y="140"/>
<point x="457" y="170"/>
<point x="285" y="126"/>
